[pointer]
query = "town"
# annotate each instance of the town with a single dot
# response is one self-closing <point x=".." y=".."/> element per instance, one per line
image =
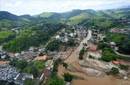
<point x="80" y="54"/>
<point x="64" y="42"/>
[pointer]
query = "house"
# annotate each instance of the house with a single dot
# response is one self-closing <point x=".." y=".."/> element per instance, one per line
<point x="4" y="63"/>
<point x="46" y="73"/>
<point x="71" y="34"/>
<point x="31" y="49"/>
<point x="57" y="37"/>
<point x="16" y="54"/>
<point x="116" y="62"/>
<point x="49" y="64"/>
<point x="92" y="47"/>
<point x="41" y="49"/>
<point x="21" y="77"/>
<point x="4" y="55"/>
<point x="112" y="44"/>
<point x="8" y="73"/>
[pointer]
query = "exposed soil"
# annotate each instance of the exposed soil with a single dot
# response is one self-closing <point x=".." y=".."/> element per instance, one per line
<point x="107" y="80"/>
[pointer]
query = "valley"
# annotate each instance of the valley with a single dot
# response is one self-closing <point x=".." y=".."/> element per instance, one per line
<point x="84" y="47"/>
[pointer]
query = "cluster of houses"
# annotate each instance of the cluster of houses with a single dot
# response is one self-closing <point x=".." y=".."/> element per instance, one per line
<point x="21" y="77"/>
<point x="7" y="73"/>
<point x="29" y="55"/>
<point x="65" y="36"/>
<point x="97" y="35"/>
<point x="47" y="71"/>
<point x="3" y="55"/>
<point x="11" y="74"/>
<point x="76" y="32"/>
<point x="118" y="30"/>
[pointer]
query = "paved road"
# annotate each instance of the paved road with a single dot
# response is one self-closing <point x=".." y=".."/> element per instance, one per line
<point x="123" y="55"/>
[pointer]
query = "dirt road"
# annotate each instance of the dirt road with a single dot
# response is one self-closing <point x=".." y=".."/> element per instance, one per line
<point x="74" y="56"/>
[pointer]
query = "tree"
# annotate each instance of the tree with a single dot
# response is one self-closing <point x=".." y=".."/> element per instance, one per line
<point x="54" y="45"/>
<point x="32" y="36"/>
<point x="65" y="65"/>
<point x="34" y="67"/>
<point x="56" y="64"/>
<point x="108" y="55"/>
<point x="124" y="67"/>
<point x="71" y="43"/>
<point x="30" y="82"/>
<point x="114" y="71"/>
<point x="125" y="48"/>
<point x="102" y="45"/>
<point x="68" y="77"/>
<point x="20" y="64"/>
<point x="56" y="81"/>
<point x="81" y="53"/>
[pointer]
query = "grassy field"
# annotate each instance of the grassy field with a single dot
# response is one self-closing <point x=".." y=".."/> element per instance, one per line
<point x="5" y="36"/>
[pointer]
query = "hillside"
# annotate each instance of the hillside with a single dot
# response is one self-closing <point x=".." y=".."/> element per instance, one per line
<point x="77" y="16"/>
<point x="72" y="17"/>
<point x="50" y="22"/>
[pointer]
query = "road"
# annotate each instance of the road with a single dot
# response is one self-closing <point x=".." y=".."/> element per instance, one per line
<point x="123" y="55"/>
<point x="74" y="56"/>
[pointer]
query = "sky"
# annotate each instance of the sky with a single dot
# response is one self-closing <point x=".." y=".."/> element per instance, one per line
<point x="34" y="7"/>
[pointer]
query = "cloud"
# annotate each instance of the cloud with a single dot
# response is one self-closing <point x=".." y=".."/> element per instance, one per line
<point x="37" y="6"/>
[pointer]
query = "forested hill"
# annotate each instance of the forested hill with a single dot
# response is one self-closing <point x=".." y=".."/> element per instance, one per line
<point x="72" y="18"/>
<point x="18" y="32"/>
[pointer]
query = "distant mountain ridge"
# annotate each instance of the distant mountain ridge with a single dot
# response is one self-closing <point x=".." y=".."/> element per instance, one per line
<point x="72" y="17"/>
<point x="7" y="15"/>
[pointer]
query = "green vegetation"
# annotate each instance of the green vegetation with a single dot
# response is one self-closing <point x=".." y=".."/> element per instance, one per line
<point x="6" y="24"/>
<point x="21" y="42"/>
<point x="36" y="31"/>
<point x="46" y="14"/>
<point x="2" y="82"/>
<point x="108" y="55"/>
<point x="115" y="37"/>
<point x="32" y="36"/>
<point x="53" y="45"/>
<point x="102" y="22"/>
<point x="5" y="36"/>
<point x="56" y="64"/>
<point x="34" y="67"/>
<point x="65" y="65"/>
<point x="30" y="82"/>
<point x="120" y="39"/>
<point x="68" y="77"/>
<point x="81" y="53"/>
<point x="20" y="64"/>
<point x="71" y="43"/>
<point x="124" y="67"/>
<point x="102" y="45"/>
<point x="114" y="71"/>
<point x="77" y="19"/>
<point x="125" y="48"/>
<point x="55" y="80"/>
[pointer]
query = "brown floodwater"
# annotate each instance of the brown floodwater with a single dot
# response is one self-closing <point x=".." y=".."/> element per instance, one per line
<point x="107" y="80"/>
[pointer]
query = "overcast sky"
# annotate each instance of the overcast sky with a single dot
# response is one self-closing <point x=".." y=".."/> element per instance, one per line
<point x="33" y="7"/>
